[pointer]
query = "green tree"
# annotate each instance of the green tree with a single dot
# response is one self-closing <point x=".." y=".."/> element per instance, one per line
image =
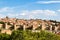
<point x="17" y="35"/>
<point x="4" y="36"/>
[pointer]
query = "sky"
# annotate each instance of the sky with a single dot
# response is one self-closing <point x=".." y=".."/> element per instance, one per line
<point x="30" y="9"/>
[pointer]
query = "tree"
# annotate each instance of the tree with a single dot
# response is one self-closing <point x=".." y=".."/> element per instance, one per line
<point x="17" y="35"/>
<point x="4" y="36"/>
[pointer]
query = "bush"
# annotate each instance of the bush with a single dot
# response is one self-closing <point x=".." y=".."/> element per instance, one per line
<point x="4" y="36"/>
<point x="29" y="35"/>
<point x="17" y="35"/>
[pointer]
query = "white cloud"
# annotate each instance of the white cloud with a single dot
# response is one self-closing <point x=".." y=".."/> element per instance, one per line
<point x="2" y="16"/>
<point x="50" y="12"/>
<point x="23" y="14"/>
<point x="7" y="11"/>
<point x="11" y="15"/>
<point x="31" y="17"/>
<point x="58" y="10"/>
<point x="47" y="2"/>
<point x="37" y="13"/>
<point x="3" y="9"/>
<point x="44" y="12"/>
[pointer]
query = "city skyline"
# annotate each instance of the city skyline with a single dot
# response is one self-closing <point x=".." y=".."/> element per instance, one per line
<point x="30" y="9"/>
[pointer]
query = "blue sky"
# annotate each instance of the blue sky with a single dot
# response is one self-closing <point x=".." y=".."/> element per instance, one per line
<point x="30" y="9"/>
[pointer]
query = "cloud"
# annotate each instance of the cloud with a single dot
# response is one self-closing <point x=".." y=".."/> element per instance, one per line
<point x="50" y="12"/>
<point x="6" y="9"/>
<point x="23" y="14"/>
<point x="26" y="14"/>
<point x="37" y="13"/>
<point x="47" y="2"/>
<point x="44" y="12"/>
<point x="3" y="9"/>
<point x="58" y="10"/>
<point x="1" y="15"/>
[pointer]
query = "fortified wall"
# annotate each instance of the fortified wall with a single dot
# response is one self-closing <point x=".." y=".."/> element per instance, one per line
<point x="7" y="25"/>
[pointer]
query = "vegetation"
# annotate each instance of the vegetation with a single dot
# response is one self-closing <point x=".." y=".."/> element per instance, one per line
<point x="29" y="35"/>
<point x="4" y="36"/>
<point x="1" y="22"/>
